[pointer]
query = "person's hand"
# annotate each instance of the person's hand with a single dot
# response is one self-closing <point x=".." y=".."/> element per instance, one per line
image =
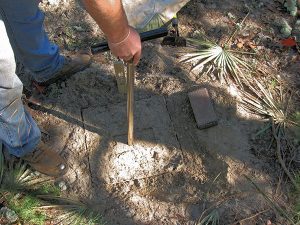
<point x="128" y="48"/>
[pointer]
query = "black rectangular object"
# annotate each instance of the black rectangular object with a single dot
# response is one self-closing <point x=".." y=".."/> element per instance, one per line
<point x="145" y="36"/>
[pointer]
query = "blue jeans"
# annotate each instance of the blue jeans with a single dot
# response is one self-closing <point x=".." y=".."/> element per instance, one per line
<point x="22" y="35"/>
<point x="24" y="25"/>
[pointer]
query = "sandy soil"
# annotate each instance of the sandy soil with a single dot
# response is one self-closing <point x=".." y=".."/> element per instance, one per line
<point x="174" y="173"/>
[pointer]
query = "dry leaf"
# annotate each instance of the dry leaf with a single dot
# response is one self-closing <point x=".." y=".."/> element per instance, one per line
<point x="251" y="45"/>
<point x="240" y="45"/>
<point x="289" y="42"/>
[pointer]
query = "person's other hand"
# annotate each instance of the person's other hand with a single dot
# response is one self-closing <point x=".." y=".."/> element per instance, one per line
<point x="128" y="48"/>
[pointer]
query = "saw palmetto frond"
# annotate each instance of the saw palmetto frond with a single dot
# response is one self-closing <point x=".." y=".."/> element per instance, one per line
<point x="72" y="211"/>
<point x="216" y="58"/>
<point x="270" y="105"/>
<point x="30" y="194"/>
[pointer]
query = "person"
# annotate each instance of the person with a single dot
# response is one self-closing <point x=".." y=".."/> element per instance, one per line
<point x="22" y="36"/>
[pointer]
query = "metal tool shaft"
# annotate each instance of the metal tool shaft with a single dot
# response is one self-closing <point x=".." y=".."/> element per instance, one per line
<point x="145" y="36"/>
<point x="130" y="101"/>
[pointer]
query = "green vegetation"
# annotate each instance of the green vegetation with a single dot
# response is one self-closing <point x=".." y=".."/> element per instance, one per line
<point x="30" y="195"/>
<point x="20" y="189"/>
<point x="222" y="60"/>
<point x="24" y="206"/>
<point x="219" y="58"/>
<point x="291" y="6"/>
<point x="72" y="211"/>
<point x="275" y="106"/>
<point x="259" y="100"/>
<point x="264" y="94"/>
<point x="212" y="218"/>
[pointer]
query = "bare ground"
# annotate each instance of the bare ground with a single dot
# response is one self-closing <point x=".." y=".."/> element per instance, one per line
<point x="174" y="173"/>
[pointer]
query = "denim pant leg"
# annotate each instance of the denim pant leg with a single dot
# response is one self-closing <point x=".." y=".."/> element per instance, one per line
<point x="18" y="132"/>
<point x="24" y="24"/>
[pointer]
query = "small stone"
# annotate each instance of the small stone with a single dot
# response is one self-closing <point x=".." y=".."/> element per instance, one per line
<point x="285" y="28"/>
<point x="286" y="32"/>
<point x="296" y="30"/>
<point x="62" y="167"/>
<point x="291" y="6"/>
<point x="9" y="214"/>
<point x="230" y="16"/>
<point x="64" y="188"/>
<point x="62" y="185"/>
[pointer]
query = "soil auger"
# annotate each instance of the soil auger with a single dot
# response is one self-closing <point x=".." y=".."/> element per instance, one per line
<point x="127" y="81"/>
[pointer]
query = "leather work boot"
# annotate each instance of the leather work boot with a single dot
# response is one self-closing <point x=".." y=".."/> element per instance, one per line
<point x="72" y="65"/>
<point x="45" y="160"/>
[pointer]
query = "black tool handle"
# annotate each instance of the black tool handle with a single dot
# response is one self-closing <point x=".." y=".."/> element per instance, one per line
<point x="145" y="36"/>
